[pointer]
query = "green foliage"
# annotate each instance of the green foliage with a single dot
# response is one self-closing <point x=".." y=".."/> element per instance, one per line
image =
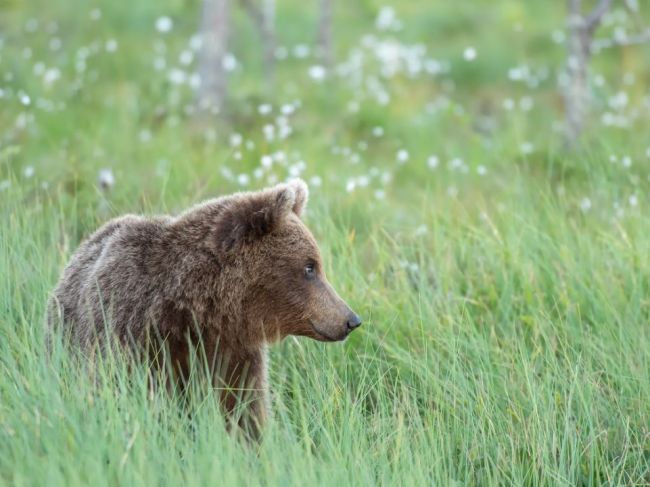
<point x="504" y="289"/>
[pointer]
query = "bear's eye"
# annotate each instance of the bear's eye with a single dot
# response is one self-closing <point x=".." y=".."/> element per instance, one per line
<point x="310" y="270"/>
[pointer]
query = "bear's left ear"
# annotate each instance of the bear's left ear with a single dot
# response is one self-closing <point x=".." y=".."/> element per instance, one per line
<point x="302" y="195"/>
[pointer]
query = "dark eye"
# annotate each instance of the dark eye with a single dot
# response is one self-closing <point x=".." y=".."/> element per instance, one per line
<point x="310" y="270"/>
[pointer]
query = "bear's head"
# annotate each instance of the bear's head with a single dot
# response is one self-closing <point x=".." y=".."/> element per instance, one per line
<point x="285" y="288"/>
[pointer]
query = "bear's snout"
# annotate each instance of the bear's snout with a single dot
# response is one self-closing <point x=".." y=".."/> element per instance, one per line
<point x="332" y="329"/>
<point x="353" y="321"/>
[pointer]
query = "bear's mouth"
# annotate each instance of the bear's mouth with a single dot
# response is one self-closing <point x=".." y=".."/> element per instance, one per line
<point x="325" y="336"/>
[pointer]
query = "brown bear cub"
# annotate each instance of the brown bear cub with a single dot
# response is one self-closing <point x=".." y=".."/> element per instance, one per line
<point x="228" y="277"/>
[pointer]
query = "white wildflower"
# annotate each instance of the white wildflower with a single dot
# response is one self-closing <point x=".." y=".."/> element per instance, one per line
<point x="266" y="161"/>
<point x="287" y="109"/>
<point x="402" y="156"/>
<point x="526" y="103"/>
<point x="527" y="148"/>
<point x="226" y="173"/>
<point x="164" y="24"/>
<point x="236" y="139"/>
<point x="177" y="76"/>
<point x="186" y="57"/>
<point x="469" y="54"/>
<point x="456" y="163"/>
<point x="301" y="51"/>
<point x="387" y="19"/>
<point x="618" y="101"/>
<point x="264" y="109"/>
<point x="196" y="41"/>
<point x="317" y="72"/>
<point x="111" y="45"/>
<point x="296" y="169"/>
<point x="194" y="81"/>
<point x="518" y="73"/>
<point x="229" y="62"/>
<point x="284" y="131"/>
<point x="269" y="132"/>
<point x="421" y="230"/>
<point x="105" y="178"/>
<point x="51" y="75"/>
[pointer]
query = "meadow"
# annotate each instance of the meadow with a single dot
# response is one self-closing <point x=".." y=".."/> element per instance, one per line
<point x="503" y="278"/>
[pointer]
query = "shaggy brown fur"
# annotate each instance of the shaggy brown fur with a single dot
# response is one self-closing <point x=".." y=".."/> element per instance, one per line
<point x="231" y="274"/>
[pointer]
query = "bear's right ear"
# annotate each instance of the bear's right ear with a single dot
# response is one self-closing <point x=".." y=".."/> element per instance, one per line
<point x="250" y="216"/>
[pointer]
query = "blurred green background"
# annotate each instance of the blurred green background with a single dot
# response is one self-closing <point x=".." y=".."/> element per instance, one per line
<point x="89" y="87"/>
<point x="503" y="275"/>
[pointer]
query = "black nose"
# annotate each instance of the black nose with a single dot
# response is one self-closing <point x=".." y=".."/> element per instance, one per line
<point x="353" y="321"/>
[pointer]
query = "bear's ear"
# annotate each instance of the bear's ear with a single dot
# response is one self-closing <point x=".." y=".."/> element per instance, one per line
<point x="302" y="195"/>
<point x="253" y="215"/>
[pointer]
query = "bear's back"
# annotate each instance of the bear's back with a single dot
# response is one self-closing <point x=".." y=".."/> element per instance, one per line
<point x="77" y="303"/>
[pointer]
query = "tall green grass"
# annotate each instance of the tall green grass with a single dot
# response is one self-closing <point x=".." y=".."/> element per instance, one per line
<point x="515" y="352"/>
<point x="506" y="335"/>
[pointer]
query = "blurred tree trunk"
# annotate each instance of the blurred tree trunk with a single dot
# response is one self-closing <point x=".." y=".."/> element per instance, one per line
<point x="214" y="32"/>
<point x="325" y="32"/>
<point x="577" y="96"/>
<point x="268" y="37"/>
<point x="264" y="19"/>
